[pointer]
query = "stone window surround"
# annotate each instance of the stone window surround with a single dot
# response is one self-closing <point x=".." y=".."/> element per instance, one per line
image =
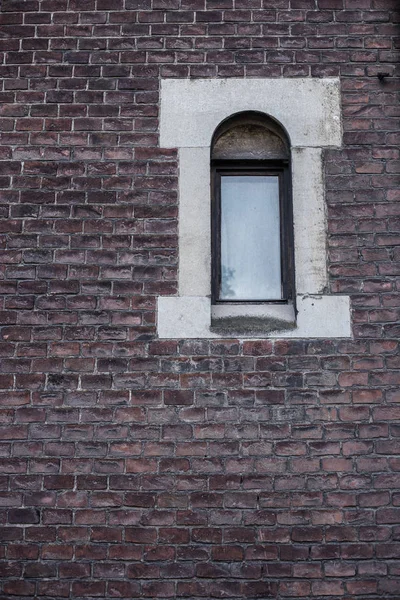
<point x="309" y="111"/>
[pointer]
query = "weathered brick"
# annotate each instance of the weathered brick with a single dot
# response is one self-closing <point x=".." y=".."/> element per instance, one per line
<point x="214" y="452"/>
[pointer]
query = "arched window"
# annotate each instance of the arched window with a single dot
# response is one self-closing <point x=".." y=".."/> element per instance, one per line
<point x="252" y="224"/>
<point x="255" y="172"/>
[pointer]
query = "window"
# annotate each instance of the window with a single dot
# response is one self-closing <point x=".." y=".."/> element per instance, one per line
<point x="196" y="118"/>
<point x="252" y="232"/>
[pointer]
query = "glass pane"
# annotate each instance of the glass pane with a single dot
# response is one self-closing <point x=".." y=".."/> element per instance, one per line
<point x="250" y="238"/>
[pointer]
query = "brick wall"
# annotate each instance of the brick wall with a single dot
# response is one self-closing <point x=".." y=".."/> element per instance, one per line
<point x="138" y="468"/>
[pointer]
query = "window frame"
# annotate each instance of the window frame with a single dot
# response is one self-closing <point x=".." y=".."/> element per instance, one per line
<point x="280" y="168"/>
<point x="309" y="110"/>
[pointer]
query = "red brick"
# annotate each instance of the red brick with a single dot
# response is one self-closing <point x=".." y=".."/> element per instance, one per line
<point x="198" y="447"/>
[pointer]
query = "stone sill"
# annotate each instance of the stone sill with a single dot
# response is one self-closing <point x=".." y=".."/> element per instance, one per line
<point x="318" y="316"/>
<point x="253" y="320"/>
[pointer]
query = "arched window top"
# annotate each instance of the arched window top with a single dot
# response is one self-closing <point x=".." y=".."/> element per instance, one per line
<point x="250" y="136"/>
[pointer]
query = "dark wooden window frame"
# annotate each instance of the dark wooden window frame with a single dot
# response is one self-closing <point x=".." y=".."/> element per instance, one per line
<point x="280" y="168"/>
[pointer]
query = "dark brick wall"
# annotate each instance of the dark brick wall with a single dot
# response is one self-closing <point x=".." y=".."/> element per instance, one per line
<point x="137" y="468"/>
